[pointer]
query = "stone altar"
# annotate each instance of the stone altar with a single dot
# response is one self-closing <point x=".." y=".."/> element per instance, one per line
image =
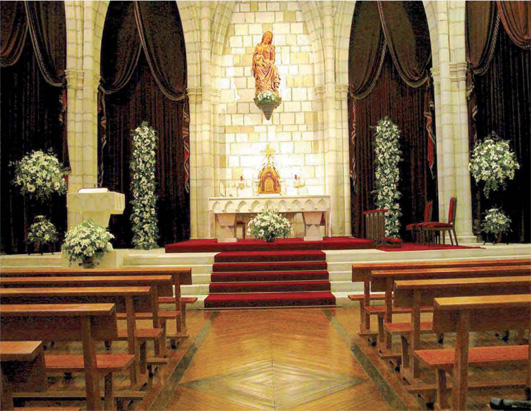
<point x="224" y="210"/>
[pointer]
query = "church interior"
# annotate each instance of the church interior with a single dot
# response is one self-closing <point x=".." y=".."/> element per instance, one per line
<point x="265" y="205"/>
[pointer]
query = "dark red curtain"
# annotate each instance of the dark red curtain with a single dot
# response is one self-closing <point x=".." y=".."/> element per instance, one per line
<point x="143" y="80"/>
<point x="33" y="107"/>
<point x="516" y="20"/>
<point x="401" y="90"/>
<point x="501" y="103"/>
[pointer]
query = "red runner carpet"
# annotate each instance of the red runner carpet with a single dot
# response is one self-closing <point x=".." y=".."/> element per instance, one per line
<point x="269" y="279"/>
<point x="280" y="244"/>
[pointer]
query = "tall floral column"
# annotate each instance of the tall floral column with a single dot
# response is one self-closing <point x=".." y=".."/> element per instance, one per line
<point x="387" y="174"/>
<point x="144" y="200"/>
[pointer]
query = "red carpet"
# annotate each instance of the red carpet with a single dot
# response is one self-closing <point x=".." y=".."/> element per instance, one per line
<point x="422" y="247"/>
<point x="281" y="244"/>
<point x="269" y="279"/>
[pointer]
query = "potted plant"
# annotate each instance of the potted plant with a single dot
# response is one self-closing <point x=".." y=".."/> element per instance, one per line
<point x="492" y="163"/>
<point x="495" y="224"/>
<point x="42" y="232"/>
<point x="39" y="174"/>
<point x="269" y="225"/>
<point x="86" y="243"/>
<point x="267" y="101"/>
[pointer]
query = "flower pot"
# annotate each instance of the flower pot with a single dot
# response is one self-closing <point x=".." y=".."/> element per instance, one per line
<point x="88" y="262"/>
<point x="267" y="108"/>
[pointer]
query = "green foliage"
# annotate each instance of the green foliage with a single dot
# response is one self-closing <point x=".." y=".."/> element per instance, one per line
<point x="496" y="222"/>
<point x="42" y="231"/>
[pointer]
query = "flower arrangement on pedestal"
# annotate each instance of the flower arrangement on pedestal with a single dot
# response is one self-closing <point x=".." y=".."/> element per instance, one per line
<point x="496" y="223"/>
<point x="86" y="243"/>
<point x="40" y="175"/>
<point x="42" y="232"/>
<point x="144" y="200"/>
<point x="492" y="163"/>
<point x="386" y="161"/>
<point x="269" y="225"/>
<point x="267" y="101"/>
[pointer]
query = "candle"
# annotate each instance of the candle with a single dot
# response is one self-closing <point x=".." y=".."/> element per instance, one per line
<point x="295" y="176"/>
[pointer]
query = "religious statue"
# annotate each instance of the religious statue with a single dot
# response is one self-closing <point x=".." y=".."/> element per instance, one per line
<point x="266" y="76"/>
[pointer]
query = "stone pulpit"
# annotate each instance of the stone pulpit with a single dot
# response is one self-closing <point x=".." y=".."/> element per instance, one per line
<point x="95" y="203"/>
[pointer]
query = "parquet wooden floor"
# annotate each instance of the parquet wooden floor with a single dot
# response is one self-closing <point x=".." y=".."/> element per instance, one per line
<point x="279" y="359"/>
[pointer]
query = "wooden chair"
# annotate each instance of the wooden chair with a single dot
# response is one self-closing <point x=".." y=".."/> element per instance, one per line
<point x="421" y="293"/>
<point x="463" y="315"/>
<point x="415" y="228"/>
<point x="437" y="227"/>
<point x="375" y="225"/>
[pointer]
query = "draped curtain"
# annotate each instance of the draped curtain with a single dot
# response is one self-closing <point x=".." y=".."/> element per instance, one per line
<point x="499" y="90"/>
<point x="143" y="77"/>
<point x="33" y="98"/>
<point x="389" y="61"/>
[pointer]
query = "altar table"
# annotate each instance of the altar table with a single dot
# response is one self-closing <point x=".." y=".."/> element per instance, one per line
<point x="223" y="212"/>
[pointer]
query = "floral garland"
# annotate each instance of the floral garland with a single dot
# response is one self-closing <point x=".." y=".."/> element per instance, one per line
<point x="269" y="225"/>
<point x="42" y="231"/>
<point x="144" y="200"/>
<point x="87" y="240"/>
<point x="40" y="175"/>
<point x="387" y="174"/>
<point x="492" y="163"/>
<point x="496" y="222"/>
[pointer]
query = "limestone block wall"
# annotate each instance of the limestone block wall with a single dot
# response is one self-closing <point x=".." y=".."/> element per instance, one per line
<point x="243" y="131"/>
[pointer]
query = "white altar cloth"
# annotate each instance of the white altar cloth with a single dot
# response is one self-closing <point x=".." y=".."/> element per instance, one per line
<point x="223" y="212"/>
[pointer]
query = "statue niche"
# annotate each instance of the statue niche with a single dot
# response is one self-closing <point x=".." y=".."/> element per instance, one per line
<point x="268" y="178"/>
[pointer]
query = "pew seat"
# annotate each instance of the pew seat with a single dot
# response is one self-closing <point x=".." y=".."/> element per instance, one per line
<point x="444" y="359"/>
<point x="142" y="334"/>
<point x="407" y="328"/>
<point x="106" y="363"/>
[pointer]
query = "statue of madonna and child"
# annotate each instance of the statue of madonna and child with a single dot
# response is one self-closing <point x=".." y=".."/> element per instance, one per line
<point x="266" y="76"/>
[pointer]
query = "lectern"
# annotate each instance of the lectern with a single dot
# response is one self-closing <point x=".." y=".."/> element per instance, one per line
<point x="95" y="203"/>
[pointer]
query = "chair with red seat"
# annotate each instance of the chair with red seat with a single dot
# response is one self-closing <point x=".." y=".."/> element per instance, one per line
<point x="431" y="228"/>
<point x="416" y="228"/>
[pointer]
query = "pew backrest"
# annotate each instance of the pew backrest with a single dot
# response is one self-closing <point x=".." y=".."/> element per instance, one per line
<point x="361" y="272"/>
<point x="486" y="313"/>
<point x="380" y="278"/>
<point x="428" y="290"/>
<point x="63" y="322"/>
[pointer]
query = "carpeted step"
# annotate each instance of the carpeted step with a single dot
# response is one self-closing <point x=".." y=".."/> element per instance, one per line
<point x="263" y="256"/>
<point x="269" y="276"/>
<point x="273" y="266"/>
<point x="273" y="286"/>
<point x="269" y="300"/>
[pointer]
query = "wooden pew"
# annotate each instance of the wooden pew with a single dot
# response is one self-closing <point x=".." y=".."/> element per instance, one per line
<point x="362" y="273"/>
<point x="383" y="281"/>
<point x="130" y="300"/>
<point x="162" y="284"/>
<point x="463" y="315"/>
<point x="180" y="275"/>
<point x="22" y="369"/>
<point x="417" y="293"/>
<point x="71" y="322"/>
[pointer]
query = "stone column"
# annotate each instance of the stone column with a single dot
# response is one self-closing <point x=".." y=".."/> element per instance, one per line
<point x="343" y="159"/>
<point x="195" y="98"/>
<point x="461" y="153"/>
<point x="330" y="138"/>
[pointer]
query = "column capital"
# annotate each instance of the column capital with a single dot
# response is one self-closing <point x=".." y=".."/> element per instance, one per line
<point x="319" y="92"/>
<point x="436" y="74"/>
<point x="341" y="91"/>
<point x="458" y="71"/>
<point x="75" y="79"/>
<point x="195" y="94"/>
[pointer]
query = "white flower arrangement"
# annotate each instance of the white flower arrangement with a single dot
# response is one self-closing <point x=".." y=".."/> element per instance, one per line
<point x="86" y="241"/>
<point x="496" y="222"/>
<point x="144" y="200"/>
<point x="267" y="97"/>
<point x="269" y="225"/>
<point x="492" y="163"/>
<point x="386" y="161"/>
<point x="42" y="231"/>
<point x="40" y="175"/>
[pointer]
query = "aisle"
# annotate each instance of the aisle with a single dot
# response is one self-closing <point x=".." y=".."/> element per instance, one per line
<point x="272" y="359"/>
